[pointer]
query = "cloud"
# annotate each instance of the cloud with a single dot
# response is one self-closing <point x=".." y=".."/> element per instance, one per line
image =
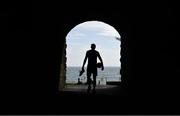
<point x="109" y="32"/>
<point x="92" y="25"/>
<point x="99" y="28"/>
<point x="76" y="35"/>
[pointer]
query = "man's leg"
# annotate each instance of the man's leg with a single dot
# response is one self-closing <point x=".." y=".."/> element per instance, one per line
<point x="89" y="82"/>
<point x="94" y="83"/>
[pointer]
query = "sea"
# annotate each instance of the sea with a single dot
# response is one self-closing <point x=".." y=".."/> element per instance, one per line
<point x="108" y="74"/>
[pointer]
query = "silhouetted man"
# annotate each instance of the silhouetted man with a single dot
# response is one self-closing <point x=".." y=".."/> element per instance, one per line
<point x="92" y="55"/>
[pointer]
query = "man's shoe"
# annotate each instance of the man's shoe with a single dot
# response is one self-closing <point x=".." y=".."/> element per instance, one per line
<point x="81" y="72"/>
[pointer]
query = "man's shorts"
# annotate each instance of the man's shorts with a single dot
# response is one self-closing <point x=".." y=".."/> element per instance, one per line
<point x="91" y="70"/>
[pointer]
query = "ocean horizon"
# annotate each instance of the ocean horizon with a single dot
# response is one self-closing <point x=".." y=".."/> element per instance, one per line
<point x="110" y="73"/>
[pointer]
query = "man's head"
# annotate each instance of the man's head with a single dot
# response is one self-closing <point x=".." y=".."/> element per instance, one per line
<point x="93" y="46"/>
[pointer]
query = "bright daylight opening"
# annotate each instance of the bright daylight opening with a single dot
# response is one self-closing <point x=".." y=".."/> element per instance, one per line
<point x="107" y="41"/>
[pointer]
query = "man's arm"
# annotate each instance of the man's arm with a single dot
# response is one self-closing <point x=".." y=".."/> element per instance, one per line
<point x="101" y="61"/>
<point x="84" y="62"/>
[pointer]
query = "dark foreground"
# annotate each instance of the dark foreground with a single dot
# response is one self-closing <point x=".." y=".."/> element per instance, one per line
<point x="105" y="90"/>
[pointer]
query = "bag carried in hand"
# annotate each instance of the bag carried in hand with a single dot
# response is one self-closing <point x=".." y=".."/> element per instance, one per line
<point x="99" y="65"/>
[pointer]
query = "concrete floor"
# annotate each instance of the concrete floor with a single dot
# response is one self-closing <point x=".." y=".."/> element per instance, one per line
<point x="82" y="90"/>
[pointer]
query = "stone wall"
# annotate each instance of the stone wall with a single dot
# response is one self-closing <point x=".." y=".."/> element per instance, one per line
<point x="62" y="77"/>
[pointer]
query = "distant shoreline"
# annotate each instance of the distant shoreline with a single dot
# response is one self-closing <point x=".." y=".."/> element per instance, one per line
<point x="86" y="66"/>
<point x="110" y="73"/>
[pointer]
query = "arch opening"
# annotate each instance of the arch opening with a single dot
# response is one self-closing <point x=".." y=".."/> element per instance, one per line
<point x="78" y="41"/>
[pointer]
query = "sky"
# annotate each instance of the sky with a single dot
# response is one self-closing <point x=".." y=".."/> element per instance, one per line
<point x="80" y="38"/>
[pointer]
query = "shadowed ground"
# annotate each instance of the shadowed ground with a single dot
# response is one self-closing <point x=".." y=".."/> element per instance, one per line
<point x="82" y="90"/>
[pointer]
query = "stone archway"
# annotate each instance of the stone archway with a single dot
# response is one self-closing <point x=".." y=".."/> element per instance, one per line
<point x="62" y="77"/>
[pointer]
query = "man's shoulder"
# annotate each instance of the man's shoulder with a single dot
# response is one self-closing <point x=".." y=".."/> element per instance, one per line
<point x="92" y="51"/>
<point x="88" y="51"/>
<point x="96" y="51"/>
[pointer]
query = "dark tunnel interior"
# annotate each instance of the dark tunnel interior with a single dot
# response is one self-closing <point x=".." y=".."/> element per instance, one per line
<point x="34" y="46"/>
